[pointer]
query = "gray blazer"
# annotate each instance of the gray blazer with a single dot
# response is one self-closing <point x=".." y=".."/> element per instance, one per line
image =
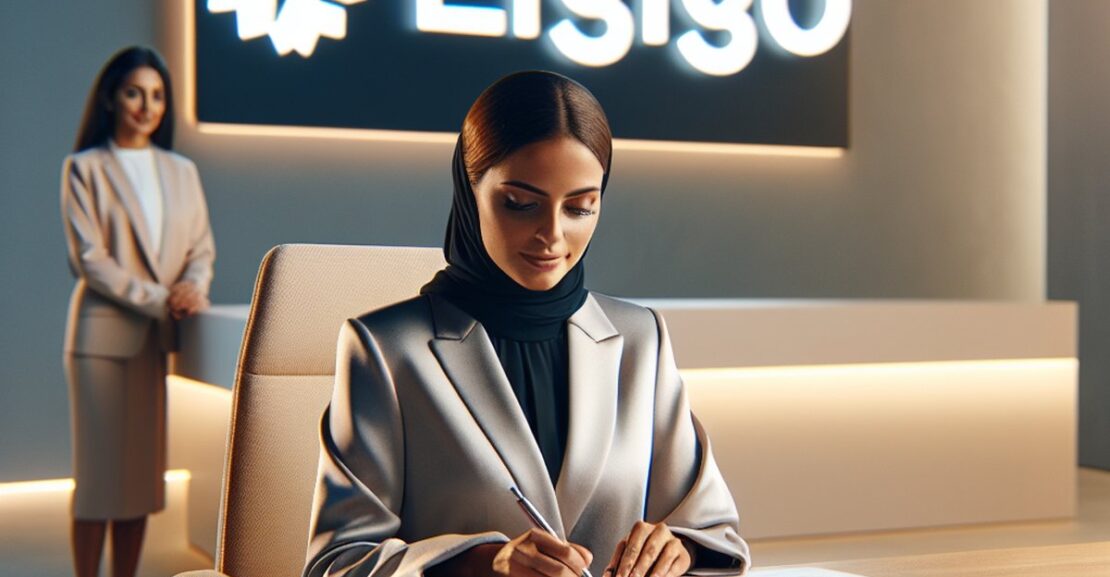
<point x="122" y="281"/>
<point x="423" y="438"/>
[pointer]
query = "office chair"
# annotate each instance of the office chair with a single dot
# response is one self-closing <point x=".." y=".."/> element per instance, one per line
<point x="283" y="382"/>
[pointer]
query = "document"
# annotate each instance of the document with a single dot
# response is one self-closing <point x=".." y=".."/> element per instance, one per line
<point x="801" y="572"/>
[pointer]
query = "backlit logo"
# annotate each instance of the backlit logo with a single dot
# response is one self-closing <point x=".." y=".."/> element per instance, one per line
<point x="299" y="25"/>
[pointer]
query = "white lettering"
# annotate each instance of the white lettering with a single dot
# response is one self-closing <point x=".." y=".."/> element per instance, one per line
<point x="610" y="47"/>
<point x="655" y="22"/>
<point x="438" y="16"/>
<point x="795" y="39"/>
<point x="731" y="16"/>
<point x="526" y="19"/>
<point x="253" y="18"/>
<point x="301" y="23"/>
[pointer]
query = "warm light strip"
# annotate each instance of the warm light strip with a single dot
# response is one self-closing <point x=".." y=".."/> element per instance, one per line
<point x="902" y="367"/>
<point x="324" y="133"/>
<point x="449" y="138"/>
<point x="62" y="485"/>
<point x="189" y="113"/>
<point x="189" y="63"/>
<point x="729" y="148"/>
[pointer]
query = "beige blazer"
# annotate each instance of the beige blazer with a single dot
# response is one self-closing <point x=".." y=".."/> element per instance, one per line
<point x="424" y="437"/>
<point x="122" y="279"/>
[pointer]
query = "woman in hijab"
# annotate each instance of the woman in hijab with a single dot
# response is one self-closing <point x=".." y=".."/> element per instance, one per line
<point x="507" y="373"/>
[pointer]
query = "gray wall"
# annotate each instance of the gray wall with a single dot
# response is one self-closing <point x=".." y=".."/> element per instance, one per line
<point x="941" y="194"/>
<point x="1079" y="201"/>
<point x="51" y="52"/>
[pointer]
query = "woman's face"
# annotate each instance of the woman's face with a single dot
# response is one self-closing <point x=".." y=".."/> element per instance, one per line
<point x="139" y="103"/>
<point x="538" y="209"/>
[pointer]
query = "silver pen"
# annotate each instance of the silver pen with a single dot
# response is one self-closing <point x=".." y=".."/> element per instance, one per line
<point x="537" y="519"/>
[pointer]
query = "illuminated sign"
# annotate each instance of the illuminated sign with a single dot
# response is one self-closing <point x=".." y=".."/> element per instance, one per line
<point x="729" y="16"/>
<point x="743" y="71"/>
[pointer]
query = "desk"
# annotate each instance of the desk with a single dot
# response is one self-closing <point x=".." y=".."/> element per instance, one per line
<point x="825" y="416"/>
<point x="1080" y="560"/>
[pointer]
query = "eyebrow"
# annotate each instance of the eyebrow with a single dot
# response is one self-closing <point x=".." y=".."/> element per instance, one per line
<point x="140" y="87"/>
<point x="543" y="192"/>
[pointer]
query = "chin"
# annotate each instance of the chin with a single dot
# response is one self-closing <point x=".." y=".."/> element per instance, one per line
<point x="540" y="282"/>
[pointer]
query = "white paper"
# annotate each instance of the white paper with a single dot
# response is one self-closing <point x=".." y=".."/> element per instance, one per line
<point x="801" y="572"/>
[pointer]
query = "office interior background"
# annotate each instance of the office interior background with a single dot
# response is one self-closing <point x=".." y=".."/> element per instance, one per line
<point x="976" y="170"/>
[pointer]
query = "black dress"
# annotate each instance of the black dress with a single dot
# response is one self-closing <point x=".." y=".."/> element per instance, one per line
<point x="538" y="373"/>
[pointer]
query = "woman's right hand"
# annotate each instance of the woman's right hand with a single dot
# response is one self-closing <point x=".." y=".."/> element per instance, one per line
<point x="538" y="554"/>
<point x="185" y="300"/>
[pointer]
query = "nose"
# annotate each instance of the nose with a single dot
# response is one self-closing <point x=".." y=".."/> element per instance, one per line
<point x="550" y="229"/>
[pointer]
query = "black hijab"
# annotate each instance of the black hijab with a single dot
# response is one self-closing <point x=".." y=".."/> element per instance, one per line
<point x="473" y="281"/>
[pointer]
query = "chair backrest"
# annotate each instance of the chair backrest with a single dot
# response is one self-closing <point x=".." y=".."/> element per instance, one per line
<point x="283" y="382"/>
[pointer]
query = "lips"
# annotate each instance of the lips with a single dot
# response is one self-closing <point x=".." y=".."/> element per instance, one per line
<point x="542" y="262"/>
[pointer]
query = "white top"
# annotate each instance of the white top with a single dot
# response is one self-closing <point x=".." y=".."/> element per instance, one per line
<point x="141" y="170"/>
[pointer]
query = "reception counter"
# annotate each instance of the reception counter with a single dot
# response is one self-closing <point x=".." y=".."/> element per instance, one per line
<point x="825" y="416"/>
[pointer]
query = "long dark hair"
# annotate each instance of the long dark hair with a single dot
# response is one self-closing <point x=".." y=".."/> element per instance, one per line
<point x="99" y="122"/>
<point x="528" y="107"/>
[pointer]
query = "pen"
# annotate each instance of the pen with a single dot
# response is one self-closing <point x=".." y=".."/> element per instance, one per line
<point x="537" y="519"/>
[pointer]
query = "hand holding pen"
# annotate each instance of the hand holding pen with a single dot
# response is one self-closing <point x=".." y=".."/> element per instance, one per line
<point x="539" y="552"/>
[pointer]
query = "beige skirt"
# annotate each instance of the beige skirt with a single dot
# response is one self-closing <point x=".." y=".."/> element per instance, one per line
<point x="118" y="412"/>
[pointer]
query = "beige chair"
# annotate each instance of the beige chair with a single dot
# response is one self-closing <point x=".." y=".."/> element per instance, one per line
<point x="283" y="382"/>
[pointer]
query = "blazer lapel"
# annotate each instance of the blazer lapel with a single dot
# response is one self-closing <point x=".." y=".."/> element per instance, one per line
<point x="130" y="200"/>
<point x="595" y="349"/>
<point x="466" y="354"/>
<point x="169" y="179"/>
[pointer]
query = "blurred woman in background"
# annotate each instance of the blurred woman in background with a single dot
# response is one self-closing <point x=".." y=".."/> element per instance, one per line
<point x="141" y="248"/>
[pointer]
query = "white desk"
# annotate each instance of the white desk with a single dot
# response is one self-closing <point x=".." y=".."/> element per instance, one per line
<point x="825" y="416"/>
<point x="1079" y="560"/>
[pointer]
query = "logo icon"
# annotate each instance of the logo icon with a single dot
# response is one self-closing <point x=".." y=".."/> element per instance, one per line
<point x="298" y="26"/>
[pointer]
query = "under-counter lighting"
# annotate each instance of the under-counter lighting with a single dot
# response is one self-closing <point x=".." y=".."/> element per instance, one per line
<point x="213" y="391"/>
<point x="63" y="485"/>
<point x="727" y="373"/>
<point x="199" y="394"/>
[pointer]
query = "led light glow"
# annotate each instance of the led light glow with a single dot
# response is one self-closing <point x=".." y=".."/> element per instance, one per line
<point x="436" y="16"/>
<point x="450" y="138"/>
<point x="63" y="485"/>
<point x="875" y="369"/>
<point x="655" y="22"/>
<point x="731" y="16"/>
<point x="526" y="19"/>
<point x="325" y="133"/>
<point x="729" y="148"/>
<point x="877" y="446"/>
<point x="277" y="131"/>
<point x="253" y="18"/>
<point x="302" y="22"/>
<point x="297" y="27"/>
<point x="610" y="47"/>
<point x="797" y="40"/>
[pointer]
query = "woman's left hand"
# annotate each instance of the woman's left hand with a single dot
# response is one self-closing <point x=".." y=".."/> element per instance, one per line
<point x="650" y="550"/>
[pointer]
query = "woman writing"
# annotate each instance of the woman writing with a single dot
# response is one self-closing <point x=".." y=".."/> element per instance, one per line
<point x="506" y="372"/>
<point x="141" y="248"/>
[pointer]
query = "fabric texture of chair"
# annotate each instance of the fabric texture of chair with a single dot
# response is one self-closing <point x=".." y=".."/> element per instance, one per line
<point x="302" y="296"/>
